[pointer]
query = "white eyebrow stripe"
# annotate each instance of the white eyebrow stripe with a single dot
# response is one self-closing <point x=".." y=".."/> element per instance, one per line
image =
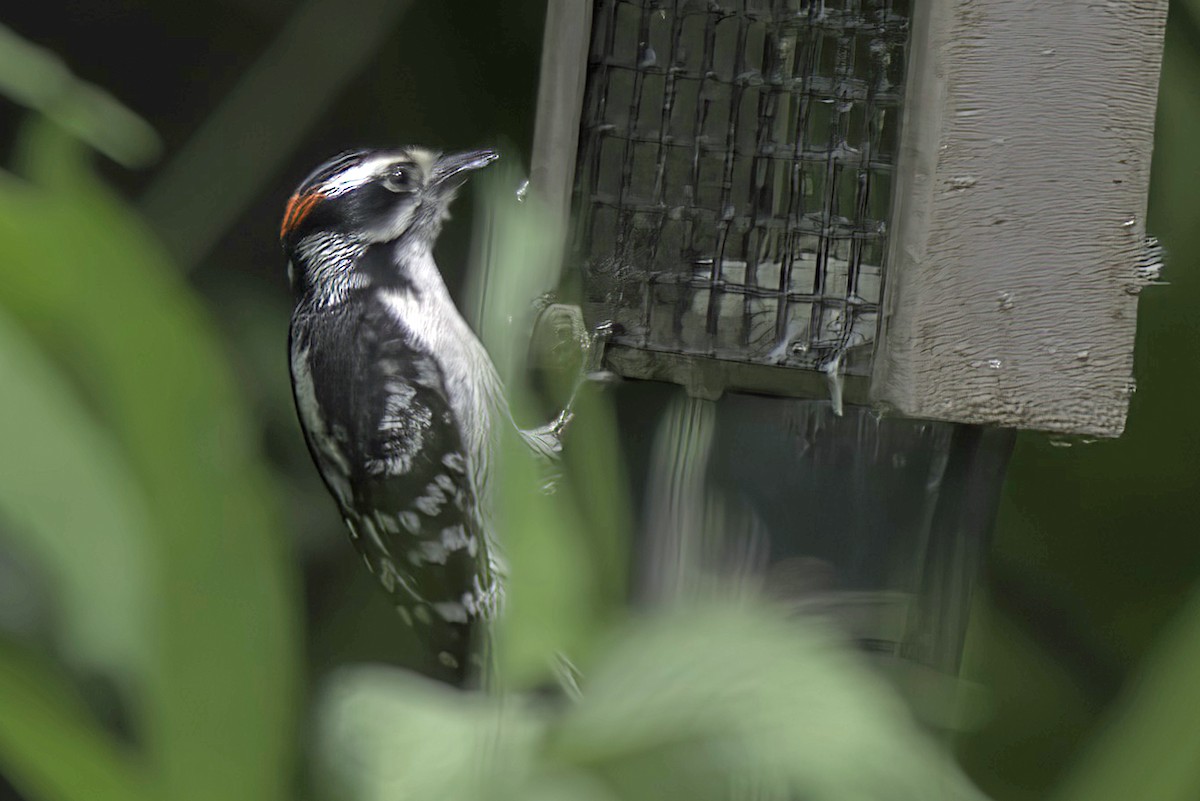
<point x="424" y="159"/>
<point x="355" y="176"/>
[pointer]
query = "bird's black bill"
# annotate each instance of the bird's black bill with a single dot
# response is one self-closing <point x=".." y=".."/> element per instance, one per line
<point x="456" y="164"/>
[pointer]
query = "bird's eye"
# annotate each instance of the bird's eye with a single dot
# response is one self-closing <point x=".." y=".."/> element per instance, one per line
<point x="400" y="179"/>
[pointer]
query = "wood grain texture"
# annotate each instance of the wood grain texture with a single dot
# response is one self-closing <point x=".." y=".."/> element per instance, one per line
<point x="1020" y="213"/>
<point x="560" y="102"/>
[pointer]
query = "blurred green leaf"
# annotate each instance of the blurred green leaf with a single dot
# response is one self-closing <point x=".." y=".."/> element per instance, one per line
<point x="74" y="506"/>
<point x="514" y="266"/>
<point x="566" y="563"/>
<point x="37" y="78"/>
<point x="592" y="463"/>
<point x="1026" y="684"/>
<point x="715" y="703"/>
<point x="697" y="700"/>
<point x="48" y="747"/>
<point x="549" y="592"/>
<point x="387" y="735"/>
<point x="1151" y="746"/>
<point x="85" y="276"/>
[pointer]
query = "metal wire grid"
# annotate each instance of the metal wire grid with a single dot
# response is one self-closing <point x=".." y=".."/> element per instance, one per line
<point x="733" y="180"/>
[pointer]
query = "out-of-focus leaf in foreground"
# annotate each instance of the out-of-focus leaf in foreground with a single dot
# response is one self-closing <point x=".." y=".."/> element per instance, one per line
<point x="388" y="735"/>
<point x="699" y="699"/>
<point x="717" y="702"/>
<point x="37" y="78"/>
<point x="88" y="281"/>
<point x="51" y="749"/>
<point x="69" y="500"/>
<point x="564" y="548"/>
<point x="1151" y="745"/>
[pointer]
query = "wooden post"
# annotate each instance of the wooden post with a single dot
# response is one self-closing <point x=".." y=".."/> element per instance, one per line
<point x="560" y="102"/>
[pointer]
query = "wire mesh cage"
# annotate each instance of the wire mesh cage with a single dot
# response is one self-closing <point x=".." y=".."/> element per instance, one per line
<point x="733" y="179"/>
<point x="770" y="193"/>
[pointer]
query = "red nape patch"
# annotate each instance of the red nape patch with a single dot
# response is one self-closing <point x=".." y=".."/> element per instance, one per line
<point x="297" y="209"/>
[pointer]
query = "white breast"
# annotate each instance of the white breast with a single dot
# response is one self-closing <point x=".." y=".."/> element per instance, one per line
<point x="472" y="384"/>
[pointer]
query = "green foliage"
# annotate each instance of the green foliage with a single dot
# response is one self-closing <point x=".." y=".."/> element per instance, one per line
<point x="132" y="480"/>
<point x="1150" y="747"/>
<point x="137" y="485"/>
<point x="38" y="79"/>
<point x="709" y="703"/>
<point x="42" y="731"/>
<point x="565" y="547"/>
<point x="72" y="502"/>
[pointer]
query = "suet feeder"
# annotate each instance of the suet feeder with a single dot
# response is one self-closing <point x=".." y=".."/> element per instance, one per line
<point x="932" y="210"/>
<point x="941" y="202"/>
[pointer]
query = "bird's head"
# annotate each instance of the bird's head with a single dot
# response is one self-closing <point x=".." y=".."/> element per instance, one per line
<point x="340" y="220"/>
<point x="374" y="196"/>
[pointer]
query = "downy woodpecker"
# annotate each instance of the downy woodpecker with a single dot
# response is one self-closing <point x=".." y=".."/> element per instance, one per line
<point x="396" y="395"/>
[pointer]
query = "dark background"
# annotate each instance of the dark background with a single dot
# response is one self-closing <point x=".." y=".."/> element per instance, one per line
<point x="1096" y="549"/>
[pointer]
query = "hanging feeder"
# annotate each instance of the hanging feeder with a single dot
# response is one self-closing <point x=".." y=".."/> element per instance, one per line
<point x="937" y="205"/>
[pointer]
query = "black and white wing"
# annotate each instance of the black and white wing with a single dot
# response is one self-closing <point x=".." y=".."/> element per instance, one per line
<point x="374" y="407"/>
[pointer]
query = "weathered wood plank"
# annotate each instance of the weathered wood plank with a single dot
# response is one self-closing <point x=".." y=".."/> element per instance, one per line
<point x="560" y="102"/>
<point x="1019" y="213"/>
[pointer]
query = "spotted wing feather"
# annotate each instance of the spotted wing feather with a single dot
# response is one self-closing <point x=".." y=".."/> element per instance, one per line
<point x="377" y="420"/>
